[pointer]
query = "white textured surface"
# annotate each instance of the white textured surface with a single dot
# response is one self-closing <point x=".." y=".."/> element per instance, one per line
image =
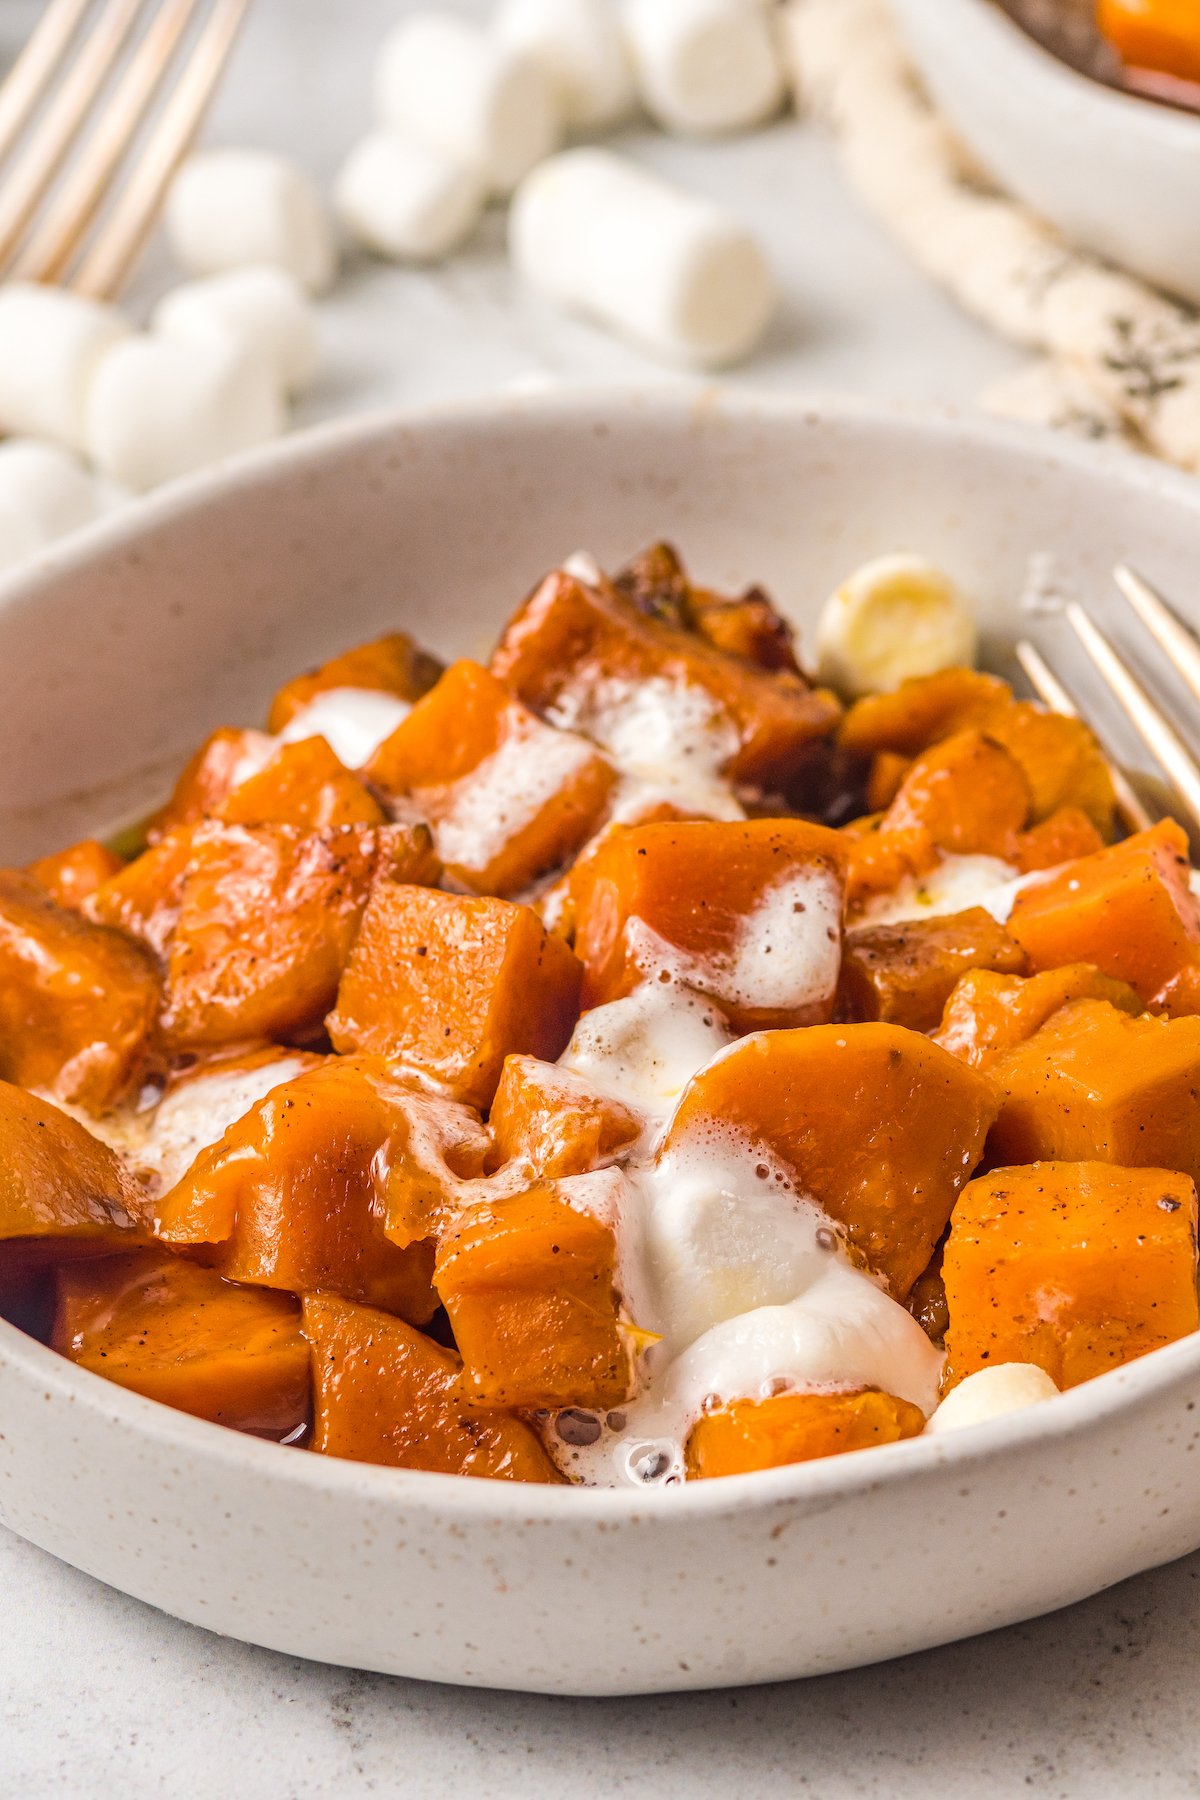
<point x="98" y="1694"/>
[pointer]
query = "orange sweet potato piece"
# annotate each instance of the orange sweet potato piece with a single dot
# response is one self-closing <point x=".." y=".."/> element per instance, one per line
<point x="1074" y="1266"/>
<point x="266" y="922"/>
<point x="1127" y="909"/>
<point x="181" y="1335"/>
<point x="304" y="784"/>
<point x="575" y="652"/>
<point x="509" y="798"/>
<point x="450" y="985"/>
<point x="886" y="778"/>
<point x="528" y="1282"/>
<point x="1097" y="1085"/>
<point x="749" y="913"/>
<point x="967" y="793"/>
<point x="553" y="1122"/>
<point x="1062" y="761"/>
<point x="384" y="1393"/>
<point x="879" y="861"/>
<point x="989" y="1013"/>
<point x="208" y="779"/>
<point x="296" y="1193"/>
<point x="391" y="664"/>
<point x="58" y="1182"/>
<point x="793" y="1428"/>
<point x="749" y="626"/>
<point x="77" y="1002"/>
<point x="921" y="711"/>
<point x="927" y="1299"/>
<point x="877" y="1124"/>
<point x="144" y="897"/>
<point x="71" y="876"/>
<point x="1163" y="35"/>
<point x="1065" y="835"/>
<point x="905" y="973"/>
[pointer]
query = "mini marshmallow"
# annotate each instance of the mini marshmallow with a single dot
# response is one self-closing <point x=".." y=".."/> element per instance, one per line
<point x="579" y="47"/>
<point x="705" y="66"/>
<point x="604" y="237"/>
<point x="159" y="409"/>
<point x="227" y="208"/>
<point x="262" y="311"/>
<point x="408" y="200"/>
<point x="44" y="494"/>
<point x="990" y="1393"/>
<point x="444" y="82"/>
<point x="51" y="342"/>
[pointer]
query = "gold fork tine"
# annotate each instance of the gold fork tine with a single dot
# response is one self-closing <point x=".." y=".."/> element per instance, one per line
<point x="1173" y="638"/>
<point x="1159" y="737"/>
<point x="34" y="69"/>
<point x="110" y="258"/>
<point x="79" y="196"/>
<point x="1049" y="688"/>
<point x="42" y="157"/>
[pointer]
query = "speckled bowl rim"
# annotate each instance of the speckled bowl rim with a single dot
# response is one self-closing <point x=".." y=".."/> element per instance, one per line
<point x="1072" y="1415"/>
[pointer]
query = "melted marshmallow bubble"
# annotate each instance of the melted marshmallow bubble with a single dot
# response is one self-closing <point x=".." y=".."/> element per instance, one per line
<point x="643" y="1050"/>
<point x="353" y="721"/>
<point x="958" y="882"/>
<point x="507" y="791"/>
<point x="669" y="740"/>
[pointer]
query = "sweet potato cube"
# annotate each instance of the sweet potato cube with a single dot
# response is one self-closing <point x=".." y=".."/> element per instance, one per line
<point x="221" y="762"/>
<point x="77" y="1002"/>
<point x="1096" y="1085"/>
<point x="58" y="1182"/>
<point x="528" y="1283"/>
<point x="554" y="1122"/>
<point x="180" y="1334"/>
<point x="391" y="664"/>
<point x="450" y="985"/>
<point x="921" y="711"/>
<point x="967" y="793"/>
<point x="879" y="861"/>
<point x="1064" y="836"/>
<point x="266" y="921"/>
<point x="885" y="779"/>
<point x="293" y="1195"/>
<point x="905" y="973"/>
<point x="508" y="797"/>
<point x="384" y="1393"/>
<point x="1163" y="35"/>
<point x="304" y="784"/>
<point x="581" y="655"/>
<point x="1128" y="910"/>
<point x="1076" y="1267"/>
<point x="989" y="1013"/>
<point x="749" y="913"/>
<point x="877" y="1124"/>
<point x="792" y="1428"/>
<point x="70" y="876"/>
<point x="144" y="897"/>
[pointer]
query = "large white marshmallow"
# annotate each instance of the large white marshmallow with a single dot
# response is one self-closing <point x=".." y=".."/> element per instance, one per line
<point x="408" y="200"/>
<point x="580" y="47"/>
<point x="606" y="238"/>
<point x="262" y="311"/>
<point x="447" y="83"/>
<point x="51" y="342"/>
<point x="227" y="208"/>
<point x="44" y="494"/>
<point x="159" y="409"/>
<point x="705" y="66"/>
<point x="990" y="1393"/>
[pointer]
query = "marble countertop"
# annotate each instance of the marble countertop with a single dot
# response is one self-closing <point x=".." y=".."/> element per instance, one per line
<point x="101" y="1695"/>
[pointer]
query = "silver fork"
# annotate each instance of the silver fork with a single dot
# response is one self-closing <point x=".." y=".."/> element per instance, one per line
<point x="79" y="194"/>
<point x="1182" y="649"/>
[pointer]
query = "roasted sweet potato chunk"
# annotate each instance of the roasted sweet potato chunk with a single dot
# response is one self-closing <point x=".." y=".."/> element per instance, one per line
<point x="70" y="876"/>
<point x="922" y="711"/>
<point x="989" y="1014"/>
<point x="967" y="793"/>
<point x="1129" y="910"/>
<point x="509" y="798"/>
<point x="77" y="1002"/>
<point x="528" y="1282"/>
<point x="58" y="1182"/>
<point x="222" y="760"/>
<point x="391" y="664"/>
<point x="747" y="626"/>
<point x="266" y="921"/>
<point x="1065" y="835"/>
<point x="297" y="1193"/>
<point x="449" y="986"/>
<point x="879" y="861"/>
<point x="143" y="898"/>
<point x="1095" y="1085"/>
<point x="582" y="654"/>
<point x="1074" y="1266"/>
<point x="384" y="1393"/>
<point x="554" y="1123"/>
<point x="180" y="1334"/>
<point x="792" y="1428"/>
<point x="905" y="973"/>
<point x="877" y="1124"/>
<point x="303" y="784"/>
<point x="749" y="913"/>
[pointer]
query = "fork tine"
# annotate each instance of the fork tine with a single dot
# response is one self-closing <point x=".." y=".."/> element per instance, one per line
<point x="79" y="196"/>
<point x="1049" y="688"/>
<point x="33" y="70"/>
<point x="1172" y="637"/>
<point x="42" y="157"/>
<point x="108" y="261"/>
<point x="1159" y="737"/>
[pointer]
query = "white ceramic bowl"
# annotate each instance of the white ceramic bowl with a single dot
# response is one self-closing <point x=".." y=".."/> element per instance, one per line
<point x="1117" y="174"/>
<point x="184" y="613"/>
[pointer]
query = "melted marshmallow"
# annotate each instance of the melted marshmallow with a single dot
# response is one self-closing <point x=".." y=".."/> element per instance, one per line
<point x="506" y="792"/>
<point x="643" y="1050"/>
<point x="669" y="740"/>
<point x="353" y="721"/>
<point x="958" y="882"/>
